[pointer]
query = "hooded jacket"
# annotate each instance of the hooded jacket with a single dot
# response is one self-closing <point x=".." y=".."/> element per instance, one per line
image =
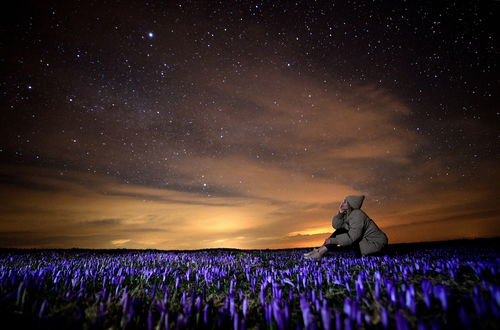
<point x="360" y="228"/>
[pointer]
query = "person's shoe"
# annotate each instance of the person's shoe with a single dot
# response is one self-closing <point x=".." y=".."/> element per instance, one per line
<point x="314" y="255"/>
<point x="310" y="253"/>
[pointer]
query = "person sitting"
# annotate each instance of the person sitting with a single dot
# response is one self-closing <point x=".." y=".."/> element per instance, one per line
<point x="352" y="227"/>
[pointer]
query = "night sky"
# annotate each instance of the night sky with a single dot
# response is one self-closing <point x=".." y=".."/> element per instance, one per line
<point x="199" y="124"/>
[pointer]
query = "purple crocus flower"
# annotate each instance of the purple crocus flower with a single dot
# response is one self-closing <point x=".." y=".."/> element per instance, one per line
<point x="410" y="301"/>
<point x="232" y="305"/>
<point x="253" y="282"/>
<point x="427" y="299"/>
<point x="286" y="313"/>
<point x="268" y="312"/>
<point x="367" y="318"/>
<point x="231" y="286"/>
<point x="262" y="293"/>
<point x="235" y="321"/>
<point x="205" y="314"/>
<point x="440" y="293"/>
<point x="150" y="320"/>
<point x="326" y="317"/>
<point x="464" y="318"/>
<point x="347" y="324"/>
<point x="102" y="310"/>
<point x="198" y="303"/>
<point x="338" y="319"/>
<point x="392" y="295"/>
<point x="287" y="281"/>
<point x="245" y="307"/>
<point x="359" y="317"/>
<point x="384" y="317"/>
<point x="306" y="311"/>
<point x="479" y="305"/>
<point x="401" y="322"/>
<point x="278" y="317"/>
<point x="183" y="299"/>
<point x="181" y="322"/>
<point x="495" y="292"/>
<point x="347" y="307"/>
<point x="124" y="301"/>
<point x="360" y="289"/>
<point x="421" y="325"/>
<point x="317" y="304"/>
<point x="42" y="308"/>
<point x="494" y="309"/>
<point x="131" y="312"/>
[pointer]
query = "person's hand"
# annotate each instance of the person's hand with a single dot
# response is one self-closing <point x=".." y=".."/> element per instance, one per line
<point x="327" y="241"/>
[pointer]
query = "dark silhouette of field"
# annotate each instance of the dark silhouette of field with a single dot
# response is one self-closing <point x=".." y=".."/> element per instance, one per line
<point x="390" y="250"/>
<point x="69" y="314"/>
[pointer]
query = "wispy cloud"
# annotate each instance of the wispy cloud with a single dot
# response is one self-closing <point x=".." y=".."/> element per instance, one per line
<point x="289" y="151"/>
<point x="119" y="241"/>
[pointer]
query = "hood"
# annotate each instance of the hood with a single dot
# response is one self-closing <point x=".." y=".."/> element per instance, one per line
<point x="355" y="201"/>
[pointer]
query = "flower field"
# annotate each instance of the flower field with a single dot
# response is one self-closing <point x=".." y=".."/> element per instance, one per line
<point x="426" y="288"/>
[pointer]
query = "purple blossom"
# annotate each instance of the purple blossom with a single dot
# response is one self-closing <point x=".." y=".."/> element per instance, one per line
<point x="150" y="320"/>
<point x="167" y="287"/>
<point x="338" y="319"/>
<point x="268" y="312"/>
<point x="464" y="317"/>
<point x="245" y="307"/>
<point x="306" y="311"/>
<point x="401" y="321"/>
<point x="440" y="293"/>
<point x="278" y="315"/>
<point x="326" y="316"/>
<point x="235" y="321"/>
<point x="206" y="311"/>
<point x="479" y="305"/>
<point x="42" y="308"/>
<point x="384" y="317"/>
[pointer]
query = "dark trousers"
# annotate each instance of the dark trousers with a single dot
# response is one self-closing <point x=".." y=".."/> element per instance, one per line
<point x="334" y="247"/>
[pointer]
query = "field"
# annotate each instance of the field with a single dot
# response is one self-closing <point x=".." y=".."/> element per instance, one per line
<point x="447" y="285"/>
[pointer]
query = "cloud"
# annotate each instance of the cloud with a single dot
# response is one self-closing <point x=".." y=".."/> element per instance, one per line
<point x="265" y="167"/>
<point x="119" y="241"/>
<point x="103" y="222"/>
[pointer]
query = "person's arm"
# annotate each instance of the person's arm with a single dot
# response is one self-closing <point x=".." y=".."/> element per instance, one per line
<point x="338" y="220"/>
<point x="355" y="230"/>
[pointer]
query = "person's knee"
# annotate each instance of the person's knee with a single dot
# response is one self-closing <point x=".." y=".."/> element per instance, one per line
<point x="330" y="247"/>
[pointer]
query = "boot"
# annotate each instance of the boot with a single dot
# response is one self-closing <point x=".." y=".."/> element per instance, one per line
<point x="314" y="255"/>
<point x="310" y="253"/>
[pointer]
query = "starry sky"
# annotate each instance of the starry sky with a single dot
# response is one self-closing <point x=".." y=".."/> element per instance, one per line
<point x="244" y="124"/>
